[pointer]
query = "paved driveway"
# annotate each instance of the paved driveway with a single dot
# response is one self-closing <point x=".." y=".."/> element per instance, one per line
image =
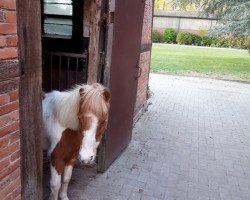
<point x="192" y="143"/>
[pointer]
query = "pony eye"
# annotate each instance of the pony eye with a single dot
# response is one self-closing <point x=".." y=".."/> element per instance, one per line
<point x="103" y="122"/>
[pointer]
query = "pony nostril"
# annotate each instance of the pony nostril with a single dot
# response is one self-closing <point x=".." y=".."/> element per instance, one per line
<point x="92" y="157"/>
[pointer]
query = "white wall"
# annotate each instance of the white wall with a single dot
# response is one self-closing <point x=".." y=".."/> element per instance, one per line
<point x="182" y="23"/>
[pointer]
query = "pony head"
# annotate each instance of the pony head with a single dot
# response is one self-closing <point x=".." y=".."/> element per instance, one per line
<point x="93" y="118"/>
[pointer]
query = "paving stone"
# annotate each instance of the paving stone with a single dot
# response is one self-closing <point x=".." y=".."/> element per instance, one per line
<point x="135" y="196"/>
<point x="193" y="143"/>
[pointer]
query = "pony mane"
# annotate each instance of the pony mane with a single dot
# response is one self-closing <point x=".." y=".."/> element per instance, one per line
<point x="66" y="107"/>
<point x="92" y="100"/>
<point x="68" y="104"/>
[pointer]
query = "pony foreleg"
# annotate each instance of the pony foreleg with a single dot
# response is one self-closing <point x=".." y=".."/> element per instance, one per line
<point x="65" y="182"/>
<point x="55" y="183"/>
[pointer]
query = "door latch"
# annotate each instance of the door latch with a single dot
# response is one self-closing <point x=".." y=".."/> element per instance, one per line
<point x="139" y="71"/>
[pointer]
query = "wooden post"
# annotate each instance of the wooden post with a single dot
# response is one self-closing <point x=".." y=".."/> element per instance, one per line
<point x="106" y="72"/>
<point x="95" y="22"/>
<point x="29" y="41"/>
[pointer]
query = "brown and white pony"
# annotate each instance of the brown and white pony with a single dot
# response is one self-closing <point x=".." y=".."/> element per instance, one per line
<point x="74" y="122"/>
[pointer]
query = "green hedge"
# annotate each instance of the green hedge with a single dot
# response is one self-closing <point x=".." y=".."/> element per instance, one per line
<point x="187" y="38"/>
<point x="184" y="38"/>
<point x="169" y="35"/>
<point x="156" y="36"/>
<point x="209" y="41"/>
<point x="196" y="39"/>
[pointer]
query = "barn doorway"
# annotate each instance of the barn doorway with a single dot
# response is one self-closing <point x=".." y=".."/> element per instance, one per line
<point x="72" y="34"/>
<point x="57" y="58"/>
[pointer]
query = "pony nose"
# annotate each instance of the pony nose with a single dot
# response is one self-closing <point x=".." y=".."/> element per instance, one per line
<point x="87" y="161"/>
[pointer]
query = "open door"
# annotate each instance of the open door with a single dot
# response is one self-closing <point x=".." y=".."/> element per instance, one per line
<point x="121" y="74"/>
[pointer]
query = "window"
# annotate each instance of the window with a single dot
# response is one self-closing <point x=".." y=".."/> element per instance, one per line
<point x="58" y="18"/>
<point x="62" y="25"/>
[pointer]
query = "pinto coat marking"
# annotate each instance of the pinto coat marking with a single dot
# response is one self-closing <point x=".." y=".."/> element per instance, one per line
<point x="66" y="151"/>
<point x="74" y="122"/>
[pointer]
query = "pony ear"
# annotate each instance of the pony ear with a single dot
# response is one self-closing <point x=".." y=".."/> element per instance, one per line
<point x="106" y="94"/>
<point x="81" y="91"/>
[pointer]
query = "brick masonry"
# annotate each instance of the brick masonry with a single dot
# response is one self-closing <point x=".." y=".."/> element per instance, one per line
<point x="142" y="87"/>
<point x="10" y="175"/>
<point x="145" y="56"/>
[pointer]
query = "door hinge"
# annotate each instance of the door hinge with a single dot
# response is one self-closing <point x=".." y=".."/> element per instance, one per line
<point x="103" y="19"/>
<point x="102" y="58"/>
<point x="107" y="18"/>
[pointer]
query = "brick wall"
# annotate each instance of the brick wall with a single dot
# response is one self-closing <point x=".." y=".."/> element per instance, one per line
<point x="10" y="181"/>
<point x="144" y="57"/>
<point x="142" y="87"/>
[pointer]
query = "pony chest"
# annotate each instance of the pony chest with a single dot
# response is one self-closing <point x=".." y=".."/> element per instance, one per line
<point x="66" y="150"/>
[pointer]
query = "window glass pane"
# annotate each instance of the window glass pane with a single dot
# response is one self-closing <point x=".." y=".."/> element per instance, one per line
<point x="55" y="29"/>
<point x="49" y="20"/>
<point x="58" y="17"/>
<point x="58" y="26"/>
<point x="58" y="9"/>
<point x="58" y="1"/>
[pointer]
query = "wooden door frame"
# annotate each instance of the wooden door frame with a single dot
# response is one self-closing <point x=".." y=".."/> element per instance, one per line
<point x="30" y="65"/>
<point x="30" y="55"/>
<point x="106" y="72"/>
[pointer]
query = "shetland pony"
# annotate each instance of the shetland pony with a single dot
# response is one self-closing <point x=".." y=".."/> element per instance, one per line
<point x="74" y="122"/>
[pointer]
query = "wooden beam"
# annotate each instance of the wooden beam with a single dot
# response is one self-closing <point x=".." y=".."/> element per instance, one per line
<point x="9" y="69"/>
<point x="95" y="18"/>
<point x="109" y="42"/>
<point x="29" y="41"/>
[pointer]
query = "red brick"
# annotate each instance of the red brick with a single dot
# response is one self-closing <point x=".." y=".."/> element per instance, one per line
<point x="16" y="173"/>
<point x="14" y="137"/>
<point x="15" y="115"/>
<point x="11" y="41"/>
<point x="4" y="173"/>
<point x="4" y="98"/>
<point x="8" y="28"/>
<point x="15" y="155"/>
<point x="8" y="4"/>
<point x="16" y="192"/>
<point x="10" y="177"/>
<point x="13" y="95"/>
<point x="4" y="121"/>
<point x="18" y="197"/>
<point x="143" y="81"/>
<point x="9" y="197"/>
<point x="4" y="142"/>
<point x="2" y="41"/>
<point x="12" y="167"/>
<point x="10" y="16"/>
<point x="9" y="189"/>
<point x="4" y="163"/>
<point x="7" y="53"/>
<point x="6" y="152"/>
<point x="9" y="107"/>
<point x="11" y="127"/>
<point x="1" y="16"/>
<point x="5" y="181"/>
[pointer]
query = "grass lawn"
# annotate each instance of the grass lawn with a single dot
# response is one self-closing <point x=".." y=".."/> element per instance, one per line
<point x="198" y="61"/>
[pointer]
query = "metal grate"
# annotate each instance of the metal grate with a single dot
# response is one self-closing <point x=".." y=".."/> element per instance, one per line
<point x="63" y="70"/>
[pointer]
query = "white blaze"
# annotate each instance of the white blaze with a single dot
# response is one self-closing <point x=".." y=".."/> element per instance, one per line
<point x="89" y="145"/>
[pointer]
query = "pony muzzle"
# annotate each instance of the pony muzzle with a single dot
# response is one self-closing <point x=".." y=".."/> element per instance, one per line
<point x="87" y="160"/>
